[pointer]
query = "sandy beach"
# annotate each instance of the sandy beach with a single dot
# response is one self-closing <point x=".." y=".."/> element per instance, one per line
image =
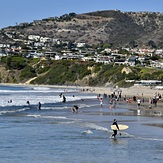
<point x="142" y="92"/>
<point x="147" y="92"/>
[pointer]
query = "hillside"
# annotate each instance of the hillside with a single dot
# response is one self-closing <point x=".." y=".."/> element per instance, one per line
<point x="66" y="72"/>
<point x="119" y="29"/>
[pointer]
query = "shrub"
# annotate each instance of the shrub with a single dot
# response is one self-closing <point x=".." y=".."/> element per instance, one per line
<point x="27" y="73"/>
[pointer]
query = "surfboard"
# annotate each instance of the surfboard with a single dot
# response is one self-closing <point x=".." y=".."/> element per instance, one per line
<point x="121" y="127"/>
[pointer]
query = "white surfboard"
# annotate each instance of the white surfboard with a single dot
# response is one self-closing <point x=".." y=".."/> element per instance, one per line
<point x="121" y="127"/>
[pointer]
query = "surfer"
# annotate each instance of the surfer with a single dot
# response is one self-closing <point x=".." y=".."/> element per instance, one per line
<point x="75" y="109"/>
<point x="64" y="99"/>
<point x="60" y="95"/>
<point x="115" y="131"/>
<point x="39" y="105"/>
<point x="28" y="102"/>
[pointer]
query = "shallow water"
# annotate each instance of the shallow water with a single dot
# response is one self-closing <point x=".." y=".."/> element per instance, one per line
<point x="55" y="134"/>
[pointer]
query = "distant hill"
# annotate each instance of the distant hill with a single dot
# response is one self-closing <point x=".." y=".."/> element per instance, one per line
<point x="119" y="29"/>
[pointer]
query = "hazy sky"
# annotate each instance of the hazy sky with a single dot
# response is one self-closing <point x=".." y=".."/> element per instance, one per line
<point x="18" y="11"/>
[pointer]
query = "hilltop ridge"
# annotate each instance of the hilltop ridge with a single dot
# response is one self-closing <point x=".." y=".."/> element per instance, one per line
<point x="119" y="29"/>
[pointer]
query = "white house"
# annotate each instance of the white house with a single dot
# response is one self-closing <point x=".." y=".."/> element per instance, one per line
<point x="45" y="39"/>
<point x="80" y="45"/>
<point x="34" y="37"/>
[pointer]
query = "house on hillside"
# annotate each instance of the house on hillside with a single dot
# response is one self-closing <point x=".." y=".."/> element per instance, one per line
<point x="156" y="64"/>
<point x="103" y="59"/>
<point x="34" y="37"/>
<point x="80" y="45"/>
<point x="132" y="61"/>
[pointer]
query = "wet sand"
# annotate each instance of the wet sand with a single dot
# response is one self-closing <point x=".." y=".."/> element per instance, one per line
<point x="157" y="125"/>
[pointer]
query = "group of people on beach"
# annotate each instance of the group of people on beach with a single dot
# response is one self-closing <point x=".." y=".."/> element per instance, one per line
<point x="75" y="108"/>
<point x="113" y="98"/>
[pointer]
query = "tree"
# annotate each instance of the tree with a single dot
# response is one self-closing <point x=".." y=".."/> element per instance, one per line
<point x="8" y="62"/>
<point x="151" y="44"/>
<point x="72" y="14"/>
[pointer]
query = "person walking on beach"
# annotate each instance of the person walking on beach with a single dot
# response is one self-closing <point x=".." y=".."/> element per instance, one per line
<point x="115" y="131"/>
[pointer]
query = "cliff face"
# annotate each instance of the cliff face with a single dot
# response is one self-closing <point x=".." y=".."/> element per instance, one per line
<point x="9" y="76"/>
<point x="116" y="28"/>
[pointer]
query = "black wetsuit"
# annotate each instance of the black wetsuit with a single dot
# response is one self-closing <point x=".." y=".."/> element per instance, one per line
<point x="39" y="106"/>
<point x="64" y="99"/>
<point x="115" y="131"/>
<point x="75" y="109"/>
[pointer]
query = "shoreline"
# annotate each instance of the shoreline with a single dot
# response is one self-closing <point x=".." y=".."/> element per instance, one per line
<point x="155" y="112"/>
<point x="137" y="91"/>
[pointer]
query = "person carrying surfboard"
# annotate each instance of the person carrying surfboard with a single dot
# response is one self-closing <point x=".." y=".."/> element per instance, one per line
<point x="115" y="131"/>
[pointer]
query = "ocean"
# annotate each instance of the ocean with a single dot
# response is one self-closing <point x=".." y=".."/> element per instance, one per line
<point x="55" y="134"/>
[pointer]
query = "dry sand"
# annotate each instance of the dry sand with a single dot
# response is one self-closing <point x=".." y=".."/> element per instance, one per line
<point x="147" y="92"/>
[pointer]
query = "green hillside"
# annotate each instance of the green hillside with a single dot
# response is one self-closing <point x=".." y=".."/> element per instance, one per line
<point x="63" y="72"/>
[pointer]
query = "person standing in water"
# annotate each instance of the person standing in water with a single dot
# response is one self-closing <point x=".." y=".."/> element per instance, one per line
<point x="28" y="102"/>
<point x="39" y="105"/>
<point x="101" y="102"/>
<point x="115" y="131"/>
<point x="138" y="103"/>
<point x="75" y="109"/>
<point x="64" y="99"/>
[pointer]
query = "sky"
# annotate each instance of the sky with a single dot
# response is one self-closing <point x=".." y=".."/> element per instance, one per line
<point x="14" y="12"/>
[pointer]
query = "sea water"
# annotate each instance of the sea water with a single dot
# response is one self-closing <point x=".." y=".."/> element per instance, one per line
<point x="56" y="135"/>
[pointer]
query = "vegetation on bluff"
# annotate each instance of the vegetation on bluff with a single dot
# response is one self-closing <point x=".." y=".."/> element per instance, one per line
<point x="20" y="70"/>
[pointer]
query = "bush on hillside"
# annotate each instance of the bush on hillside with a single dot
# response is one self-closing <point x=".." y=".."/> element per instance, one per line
<point x="27" y="73"/>
<point x="64" y="71"/>
<point x="14" y="62"/>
